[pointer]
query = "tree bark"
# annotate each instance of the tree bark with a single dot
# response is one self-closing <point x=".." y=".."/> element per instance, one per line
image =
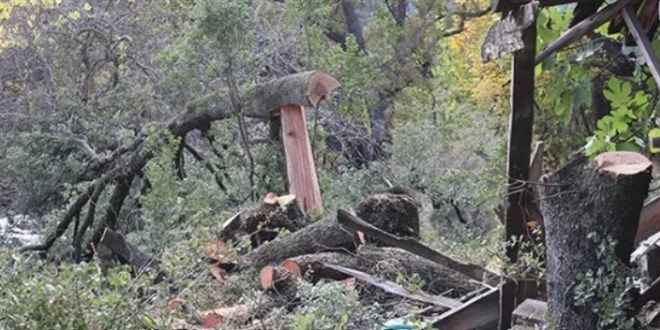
<point x="324" y="235"/>
<point x="581" y="198"/>
<point x="263" y="222"/>
<point x="388" y="263"/>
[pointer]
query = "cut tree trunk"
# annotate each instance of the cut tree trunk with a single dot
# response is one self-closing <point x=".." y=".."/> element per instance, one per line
<point x="263" y="222"/>
<point x="396" y="214"/>
<point x="324" y="235"/>
<point x="603" y="197"/>
<point x="301" y="171"/>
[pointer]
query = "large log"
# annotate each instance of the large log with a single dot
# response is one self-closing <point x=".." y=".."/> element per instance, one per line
<point x="409" y="244"/>
<point x="389" y="263"/>
<point x="603" y="197"/>
<point x="324" y="235"/>
<point x="306" y="89"/>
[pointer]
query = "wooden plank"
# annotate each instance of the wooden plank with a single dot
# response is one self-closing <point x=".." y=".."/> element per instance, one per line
<point x="506" y="5"/>
<point x="582" y="28"/>
<point x="395" y="289"/>
<point x="530" y="313"/>
<point x="301" y="172"/>
<point x="649" y="220"/>
<point x="477" y="313"/>
<point x="637" y="31"/>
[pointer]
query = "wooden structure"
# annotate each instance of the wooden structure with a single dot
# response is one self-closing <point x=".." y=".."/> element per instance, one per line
<point x="515" y="33"/>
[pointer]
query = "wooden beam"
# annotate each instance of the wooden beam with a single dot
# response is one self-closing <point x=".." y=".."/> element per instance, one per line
<point x="643" y="43"/>
<point x="520" y="136"/>
<point x="582" y="28"/>
<point x="520" y="141"/>
<point x="506" y="5"/>
<point x="301" y="172"/>
<point x="479" y="312"/>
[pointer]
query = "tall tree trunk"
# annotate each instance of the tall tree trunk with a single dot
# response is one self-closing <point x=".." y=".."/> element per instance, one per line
<point x="353" y="22"/>
<point x="582" y="198"/>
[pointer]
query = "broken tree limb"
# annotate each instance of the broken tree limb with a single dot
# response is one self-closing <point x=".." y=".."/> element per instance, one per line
<point x="582" y="28"/>
<point x="393" y="288"/>
<point x="354" y="223"/>
<point x="127" y="253"/>
<point x="604" y="197"/>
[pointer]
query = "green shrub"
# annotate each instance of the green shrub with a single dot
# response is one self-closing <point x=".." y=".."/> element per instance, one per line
<point x="40" y="295"/>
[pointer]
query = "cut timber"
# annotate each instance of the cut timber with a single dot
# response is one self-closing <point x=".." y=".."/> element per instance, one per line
<point x="354" y="223"/>
<point x="263" y="222"/>
<point x="394" y="213"/>
<point x="603" y="197"/>
<point x="305" y="89"/>
<point x="393" y="288"/>
<point x="301" y="171"/>
<point x="481" y="312"/>
<point x="388" y="263"/>
<point x="324" y="235"/>
<point x="278" y="279"/>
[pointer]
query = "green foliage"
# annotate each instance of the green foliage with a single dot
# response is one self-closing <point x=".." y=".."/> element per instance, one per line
<point x="39" y="295"/>
<point x="623" y="128"/>
<point x="331" y="306"/>
<point x="605" y="291"/>
<point x="173" y="209"/>
<point x="40" y="166"/>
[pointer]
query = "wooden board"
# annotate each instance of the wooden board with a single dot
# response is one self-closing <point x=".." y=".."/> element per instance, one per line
<point x="477" y="313"/>
<point x="649" y="220"/>
<point x="301" y="172"/>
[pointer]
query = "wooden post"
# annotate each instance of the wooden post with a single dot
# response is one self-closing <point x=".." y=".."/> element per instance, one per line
<point x="520" y="141"/>
<point x="303" y="182"/>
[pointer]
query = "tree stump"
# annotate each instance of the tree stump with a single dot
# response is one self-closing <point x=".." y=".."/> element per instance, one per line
<point x="396" y="214"/>
<point x="604" y="196"/>
<point x="263" y="222"/>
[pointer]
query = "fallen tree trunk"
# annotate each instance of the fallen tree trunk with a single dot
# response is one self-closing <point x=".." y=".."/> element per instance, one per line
<point x="390" y="263"/>
<point x="603" y="197"/>
<point x="321" y="236"/>
<point x="395" y="289"/>
<point x="354" y="223"/>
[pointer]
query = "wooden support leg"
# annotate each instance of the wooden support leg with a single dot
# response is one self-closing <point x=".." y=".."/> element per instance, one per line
<point x="301" y="171"/>
<point x="520" y="141"/>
